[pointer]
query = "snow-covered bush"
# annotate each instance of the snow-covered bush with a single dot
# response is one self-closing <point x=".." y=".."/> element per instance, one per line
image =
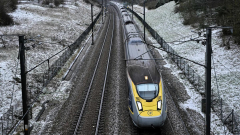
<point x="5" y="19"/>
<point x="58" y="2"/>
<point x="7" y="6"/>
<point x="212" y="13"/>
<point x="46" y="2"/>
<point x="51" y="2"/>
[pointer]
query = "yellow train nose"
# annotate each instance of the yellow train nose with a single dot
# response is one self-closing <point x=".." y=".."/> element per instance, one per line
<point x="150" y="113"/>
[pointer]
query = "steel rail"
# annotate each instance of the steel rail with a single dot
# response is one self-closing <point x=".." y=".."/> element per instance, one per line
<point x="86" y="98"/>
<point x="185" y="128"/>
<point x="69" y="69"/>
<point x="105" y="80"/>
<point x="171" y="125"/>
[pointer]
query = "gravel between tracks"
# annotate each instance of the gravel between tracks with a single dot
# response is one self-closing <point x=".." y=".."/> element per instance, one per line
<point x="90" y="113"/>
<point x="116" y="118"/>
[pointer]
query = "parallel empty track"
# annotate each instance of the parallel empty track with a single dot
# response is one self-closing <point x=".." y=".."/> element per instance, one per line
<point x="88" y="117"/>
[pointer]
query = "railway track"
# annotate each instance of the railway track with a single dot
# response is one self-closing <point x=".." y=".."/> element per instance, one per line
<point x="88" y="118"/>
<point x="84" y="106"/>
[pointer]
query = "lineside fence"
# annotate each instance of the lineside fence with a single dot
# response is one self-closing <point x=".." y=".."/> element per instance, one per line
<point x="59" y="63"/>
<point x="7" y="121"/>
<point x="222" y="109"/>
<point x="40" y="78"/>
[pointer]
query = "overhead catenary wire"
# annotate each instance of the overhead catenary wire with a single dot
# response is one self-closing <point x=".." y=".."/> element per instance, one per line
<point x="40" y="42"/>
<point x="170" y="53"/>
<point x="182" y="42"/>
<point x="228" y="69"/>
<point x="179" y="40"/>
<point x="46" y="60"/>
<point x="154" y="47"/>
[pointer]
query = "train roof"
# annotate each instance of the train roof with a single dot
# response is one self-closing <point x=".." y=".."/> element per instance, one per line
<point x="143" y="74"/>
<point x="125" y="14"/>
<point x="127" y="19"/>
<point x="136" y="48"/>
<point x="140" y="64"/>
<point x="123" y="10"/>
<point x="130" y="28"/>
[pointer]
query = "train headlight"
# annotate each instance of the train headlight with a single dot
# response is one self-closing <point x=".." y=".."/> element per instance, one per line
<point x="159" y="105"/>
<point x="139" y="104"/>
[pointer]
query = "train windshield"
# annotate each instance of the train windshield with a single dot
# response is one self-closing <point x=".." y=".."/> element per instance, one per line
<point x="147" y="91"/>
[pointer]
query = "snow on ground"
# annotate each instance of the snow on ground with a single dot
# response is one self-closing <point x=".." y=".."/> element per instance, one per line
<point x="227" y="62"/>
<point x="169" y="25"/>
<point x="194" y="103"/>
<point x="59" y="94"/>
<point x="66" y="24"/>
<point x="139" y="9"/>
<point x="52" y="30"/>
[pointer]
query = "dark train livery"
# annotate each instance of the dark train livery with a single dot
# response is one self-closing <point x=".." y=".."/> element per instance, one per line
<point x="147" y="100"/>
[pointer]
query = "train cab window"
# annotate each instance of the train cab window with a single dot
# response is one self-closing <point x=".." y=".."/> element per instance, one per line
<point x="147" y="91"/>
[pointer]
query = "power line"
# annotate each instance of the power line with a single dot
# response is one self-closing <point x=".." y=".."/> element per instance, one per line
<point x="177" y="55"/>
<point x="227" y="69"/>
<point x="182" y="38"/>
<point x="46" y="60"/>
<point x="40" y="42"/>
<point x="182" y="42"/>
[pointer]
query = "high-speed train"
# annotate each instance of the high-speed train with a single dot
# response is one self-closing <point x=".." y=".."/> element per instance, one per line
<point x="146" y="96"/>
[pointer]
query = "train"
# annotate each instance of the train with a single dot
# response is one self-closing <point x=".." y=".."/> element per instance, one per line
<point x="146" y="96"/>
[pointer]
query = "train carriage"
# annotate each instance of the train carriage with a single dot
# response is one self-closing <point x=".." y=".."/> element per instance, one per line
<point x="147" y="102"/>
<point x="146" y="99"/>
